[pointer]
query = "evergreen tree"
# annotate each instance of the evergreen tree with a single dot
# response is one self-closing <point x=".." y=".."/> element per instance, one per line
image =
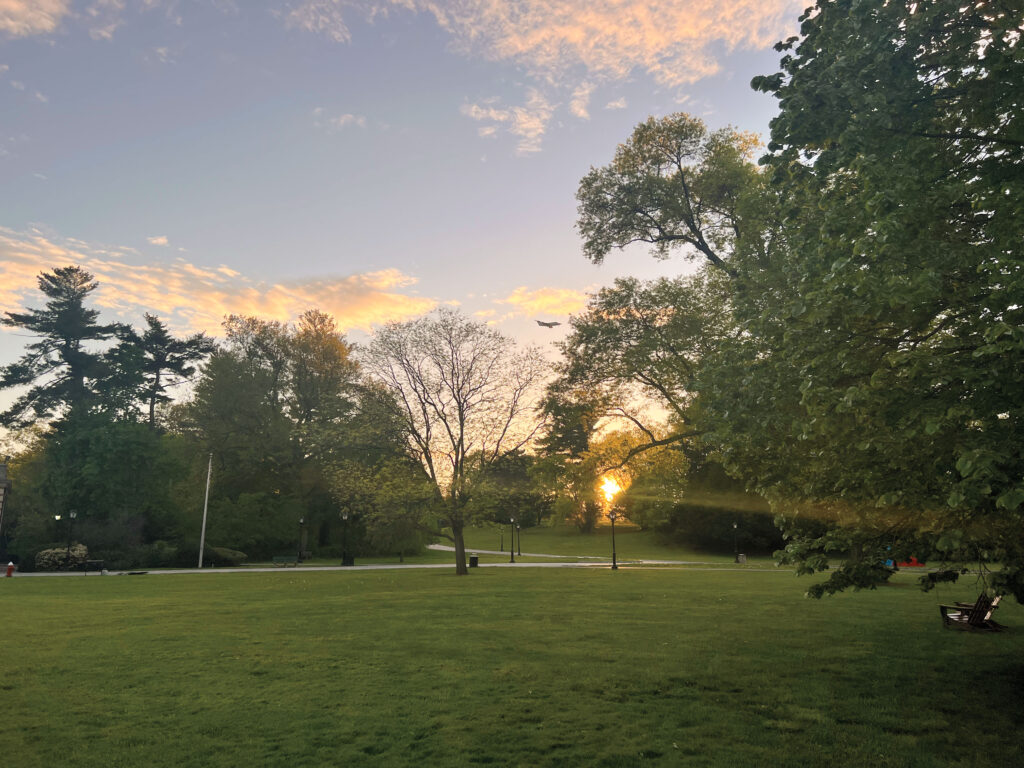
<point x="163" y="361"/>
<point x="59" y="369"/>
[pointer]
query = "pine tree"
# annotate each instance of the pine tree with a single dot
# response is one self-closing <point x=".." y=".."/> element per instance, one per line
<point x="59" y="369"/>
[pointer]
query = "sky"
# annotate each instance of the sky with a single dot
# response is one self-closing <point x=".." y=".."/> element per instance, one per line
<point x="371" y="158"/>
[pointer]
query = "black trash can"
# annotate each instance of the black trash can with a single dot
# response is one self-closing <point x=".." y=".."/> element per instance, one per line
<point x="474" y="561"/>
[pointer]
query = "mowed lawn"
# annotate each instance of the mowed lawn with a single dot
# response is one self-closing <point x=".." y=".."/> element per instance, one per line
<point x="516" y="667"/>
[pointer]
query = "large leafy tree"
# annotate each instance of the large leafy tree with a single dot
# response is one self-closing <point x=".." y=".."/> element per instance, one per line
<point x="61" y="368"/>
<point x="885" y="340"/>
<point x="638" y="343"/>
<point x="677" y="187"/>
<point x="465" y="399"/>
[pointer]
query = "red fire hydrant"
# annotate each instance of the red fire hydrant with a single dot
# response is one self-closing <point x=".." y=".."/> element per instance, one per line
<point x="10" y="569"/>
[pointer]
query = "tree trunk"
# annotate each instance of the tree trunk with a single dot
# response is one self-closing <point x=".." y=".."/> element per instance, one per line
<point x="460" y="550"/>
<point x="152" y="401"/>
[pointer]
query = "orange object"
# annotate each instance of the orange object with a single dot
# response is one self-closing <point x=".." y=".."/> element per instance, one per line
<point x="911" y="563"/>
<point x="10" y="569"/>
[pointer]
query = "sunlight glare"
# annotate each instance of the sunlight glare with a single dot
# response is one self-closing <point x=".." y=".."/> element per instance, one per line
<point x="610" y="488"/>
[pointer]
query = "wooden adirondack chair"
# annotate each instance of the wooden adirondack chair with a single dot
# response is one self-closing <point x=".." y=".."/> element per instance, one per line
<point x="976" y="615"/>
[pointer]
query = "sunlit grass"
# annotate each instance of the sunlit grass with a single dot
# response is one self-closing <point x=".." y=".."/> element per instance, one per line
<point x="504" y="667"/>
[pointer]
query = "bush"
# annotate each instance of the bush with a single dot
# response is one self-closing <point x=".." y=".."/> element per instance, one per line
<point x="224" y="557"/>
<point x="160" y="554"/>
<point x="213" y="557"/>
<point x="58" y="559"/>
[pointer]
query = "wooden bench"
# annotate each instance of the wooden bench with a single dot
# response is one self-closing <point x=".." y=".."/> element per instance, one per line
<point x="92" y="565"/>
<point x="976" y="615"/>
<point x="285" y="560"/>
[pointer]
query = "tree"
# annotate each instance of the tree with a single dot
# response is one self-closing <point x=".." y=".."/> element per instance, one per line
<point x="60" y="368"/>
<point x="675" y="185"/>
<point x="884" y="341"/>
<point x="322" y="369"/>
<point x="678" y="187"/>
<point x="163" y="361"/>
<point x="638" y="343"/>
<point x="465" y="398"/>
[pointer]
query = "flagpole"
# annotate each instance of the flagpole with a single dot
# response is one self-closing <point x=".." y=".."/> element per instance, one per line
<point x="206" y="505"/>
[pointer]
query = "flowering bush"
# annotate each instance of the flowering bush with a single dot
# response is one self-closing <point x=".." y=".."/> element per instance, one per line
<point x="56" y="559"/>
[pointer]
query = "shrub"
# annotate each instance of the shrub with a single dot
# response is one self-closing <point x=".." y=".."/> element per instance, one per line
<point x="57" y="559"/>
<point x="224" y="557"/>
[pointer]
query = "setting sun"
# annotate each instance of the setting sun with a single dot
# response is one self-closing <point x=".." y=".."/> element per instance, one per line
<point x="610" y="487"/>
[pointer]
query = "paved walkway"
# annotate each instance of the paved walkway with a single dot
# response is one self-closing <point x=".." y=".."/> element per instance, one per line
<point x="600" y="560"/>
<point x="299" y="569"/>
<point x="591" y="562"/>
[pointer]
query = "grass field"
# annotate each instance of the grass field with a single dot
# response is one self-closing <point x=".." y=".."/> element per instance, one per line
<point x="510" y="667"/>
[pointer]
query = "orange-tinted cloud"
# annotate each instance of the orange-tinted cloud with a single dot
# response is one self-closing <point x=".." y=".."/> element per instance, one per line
<point x="673" y="41"/>
<point x="20" y="18"/>
<point x="546" y="301"/>
<point x="527" y="122"/>
<point x="196" y="298"/>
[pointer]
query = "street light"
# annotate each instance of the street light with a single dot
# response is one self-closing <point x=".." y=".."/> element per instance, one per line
<point x="5" y="491"/>
<point x="735" y="544"/>
<point x="612" y="516"/>
<point x="512" y="544"/>
<point x="501" y="538"/>
<point x="344" y="538"/>
<point x="71" y="525"/>
<point x="611" y="487"/>
<point x="519" y="533"/>
<point x="298" y="556"/>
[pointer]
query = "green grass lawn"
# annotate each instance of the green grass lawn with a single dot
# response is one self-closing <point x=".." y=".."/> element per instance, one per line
<point x="510" y="667"/>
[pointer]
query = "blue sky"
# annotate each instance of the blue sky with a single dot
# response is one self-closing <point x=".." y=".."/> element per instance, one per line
<point x="373" y="158"/>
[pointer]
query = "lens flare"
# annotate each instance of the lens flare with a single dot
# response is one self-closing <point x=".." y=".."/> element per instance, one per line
<point x="610" y="488"/>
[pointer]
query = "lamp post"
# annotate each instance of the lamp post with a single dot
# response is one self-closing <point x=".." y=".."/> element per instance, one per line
<point x="735" y="544"/>
<point x="344" y="538"/>
<point x="71" y="525"/>
<point x="5" y="492"/>
<point x="298" y="556"/>
<point x="512" y="544"/>
<point x="519" y="534"/>
<point x="612" y="516"/>
<point x="501" y="539"/>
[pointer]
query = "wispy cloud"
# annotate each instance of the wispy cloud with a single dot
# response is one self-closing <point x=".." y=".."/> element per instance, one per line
<point x="546" y="301"/>
<point x="568" y="48"/>
<point x="673" y="41"/>
<point x="193" y="297"/>
<point x="580" y="100"/>
<point x="527" y="122"/>
<point x="157" y="240"/>
<point x="326" y="17"/>
<point x="20" y="18"/>
<point x="617" y="104"/>
<point x="336" y="122"/>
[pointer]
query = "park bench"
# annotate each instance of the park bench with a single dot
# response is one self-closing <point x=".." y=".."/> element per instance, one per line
<point x="285" y="560"/>
<point x="92" y="565"/>
<point x="976" y="615"/>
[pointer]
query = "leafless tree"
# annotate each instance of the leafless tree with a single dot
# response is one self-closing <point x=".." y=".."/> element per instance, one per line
<point x="466" y="397"/>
